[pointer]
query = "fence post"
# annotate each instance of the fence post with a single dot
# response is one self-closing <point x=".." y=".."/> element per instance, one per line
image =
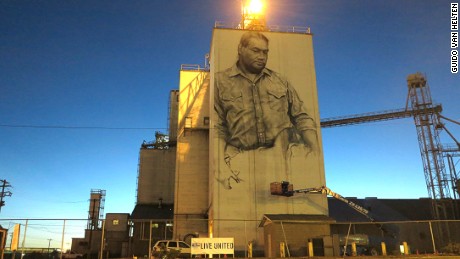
<point x="285" y="240"/>
<point x="310" y="248"/>
<point x="269" y="245"/>
<point x="353" y="249"/>
<point x="246" y="236"/>
<point x="384" y="249"/>
<point x="432" y="237"/>
<point x="103" y="240"/>
<point x="24" y="239"/>
<point x="282" y="253"/>
<point x="150" y="239"/>
<point x="62" y="240"/>
<point x="250" y="249"/>
<point x="406" y="248"/>
<point x="346" y="241"/>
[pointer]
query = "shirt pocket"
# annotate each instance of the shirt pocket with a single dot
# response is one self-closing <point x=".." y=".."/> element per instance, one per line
<point x="277" y="99"/>
<point x="232" y="100"/>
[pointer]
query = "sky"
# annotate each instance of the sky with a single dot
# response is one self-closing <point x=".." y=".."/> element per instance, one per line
<point x="84" y="83"/>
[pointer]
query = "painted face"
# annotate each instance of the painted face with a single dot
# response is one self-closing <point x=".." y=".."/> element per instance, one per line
<point x="253" y="57"/>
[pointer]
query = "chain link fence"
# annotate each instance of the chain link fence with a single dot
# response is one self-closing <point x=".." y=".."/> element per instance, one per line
<point x="121" y="237"/>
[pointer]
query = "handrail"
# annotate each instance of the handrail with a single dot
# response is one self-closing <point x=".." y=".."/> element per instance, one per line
<point x="272" y="28"/>
<point x="192" y="67"/>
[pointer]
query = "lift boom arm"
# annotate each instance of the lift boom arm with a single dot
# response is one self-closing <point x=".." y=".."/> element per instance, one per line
<point x="286" y="189"/>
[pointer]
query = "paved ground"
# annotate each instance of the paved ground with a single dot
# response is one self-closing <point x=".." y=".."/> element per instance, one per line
<point x="381" y="257"/>
<point x="369" y="257"/>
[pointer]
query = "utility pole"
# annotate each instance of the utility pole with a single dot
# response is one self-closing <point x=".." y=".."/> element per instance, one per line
<point x="4" y="193"/>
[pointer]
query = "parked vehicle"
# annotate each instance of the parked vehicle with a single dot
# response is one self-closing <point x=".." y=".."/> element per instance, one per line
<point x="171" y="246"/>
<point x="72" y="255"/>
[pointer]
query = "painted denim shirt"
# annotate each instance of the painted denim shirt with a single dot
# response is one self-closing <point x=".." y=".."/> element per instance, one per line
<point x="252" y="114"/>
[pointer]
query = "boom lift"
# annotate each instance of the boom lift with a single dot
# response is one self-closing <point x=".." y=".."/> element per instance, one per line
<point x="286" y="189"/>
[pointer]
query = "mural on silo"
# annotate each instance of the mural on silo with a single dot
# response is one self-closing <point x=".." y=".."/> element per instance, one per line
<point x="265" y="127"/>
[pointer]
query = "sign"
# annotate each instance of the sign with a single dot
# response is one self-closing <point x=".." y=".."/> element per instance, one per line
<point x="15" y="240"/>
<point x="223" y="245"/>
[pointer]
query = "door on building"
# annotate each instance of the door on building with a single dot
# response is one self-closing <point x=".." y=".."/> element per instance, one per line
<point x="318" y="246"/>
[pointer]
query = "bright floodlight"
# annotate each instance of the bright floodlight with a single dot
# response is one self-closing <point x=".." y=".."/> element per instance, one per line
<point x="253" y="14"/>
<point x="255" y="7"/>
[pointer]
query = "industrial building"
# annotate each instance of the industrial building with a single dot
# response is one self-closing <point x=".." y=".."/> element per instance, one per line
<point x="175" y="196"/>
<point x="190" y="186"/>
<point x="194" y="185"/>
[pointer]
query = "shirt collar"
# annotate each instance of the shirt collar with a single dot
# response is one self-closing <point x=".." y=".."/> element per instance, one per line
<point x="236" y="71"/>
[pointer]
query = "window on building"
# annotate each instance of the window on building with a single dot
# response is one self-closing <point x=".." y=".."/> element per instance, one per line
<point x="115" y="222"/>
<point x="188" y="122"/>
<point x="206" y="120"/>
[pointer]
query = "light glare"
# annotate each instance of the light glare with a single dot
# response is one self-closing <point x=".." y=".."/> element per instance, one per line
<point x="255" y="7"/>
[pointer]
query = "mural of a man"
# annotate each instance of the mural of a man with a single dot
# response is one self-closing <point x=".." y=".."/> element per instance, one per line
<point x="257" y="106"/>
<point x="264" y="130"/>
